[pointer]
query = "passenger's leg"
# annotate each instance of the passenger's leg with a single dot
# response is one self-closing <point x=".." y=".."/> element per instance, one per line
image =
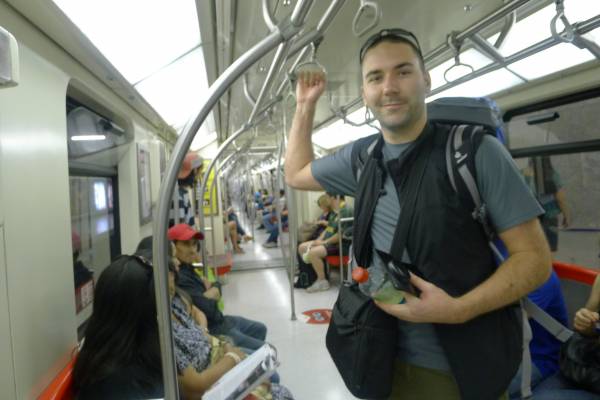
<point x="316" y="256"/>
<point x="234" y="237"/>
<point x="245" y="332"/>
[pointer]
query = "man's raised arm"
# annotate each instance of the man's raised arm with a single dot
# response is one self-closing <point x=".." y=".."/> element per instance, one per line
<point x="299" y="154"/>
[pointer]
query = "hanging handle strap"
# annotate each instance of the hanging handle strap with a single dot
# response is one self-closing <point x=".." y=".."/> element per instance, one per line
<point x="365" y="5"/>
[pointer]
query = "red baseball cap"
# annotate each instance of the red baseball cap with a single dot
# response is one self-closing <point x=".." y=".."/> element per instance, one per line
<point x="191" y="162"/>
<point x="184" y="232"/>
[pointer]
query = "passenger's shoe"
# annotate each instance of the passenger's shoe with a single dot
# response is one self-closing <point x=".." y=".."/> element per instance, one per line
<point x="319" y="286"/>
<point x="270" y="245"/>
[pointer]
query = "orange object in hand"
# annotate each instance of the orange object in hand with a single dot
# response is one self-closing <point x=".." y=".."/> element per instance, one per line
<point x="360" y="274"/>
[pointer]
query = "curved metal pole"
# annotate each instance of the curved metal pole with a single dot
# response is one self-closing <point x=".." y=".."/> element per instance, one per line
<point x="247" y="93"/>
<point x="311" y="37"/>
<point x="269" y="20"/>
<point x="166" y="191"/>
<point x="274" y="39"/>
<point x="278" y="60"/>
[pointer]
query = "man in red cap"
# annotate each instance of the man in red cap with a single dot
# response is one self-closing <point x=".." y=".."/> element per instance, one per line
<point x="244" y="332"/>
<point x="191" y="166"/>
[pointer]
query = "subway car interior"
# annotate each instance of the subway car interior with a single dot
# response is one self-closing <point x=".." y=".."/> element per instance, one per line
<point x="125" y="120"/>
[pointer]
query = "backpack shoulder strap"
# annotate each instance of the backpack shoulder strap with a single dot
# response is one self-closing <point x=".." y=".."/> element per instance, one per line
<point x="361" y="150"/>
<point x="461" y="147"/>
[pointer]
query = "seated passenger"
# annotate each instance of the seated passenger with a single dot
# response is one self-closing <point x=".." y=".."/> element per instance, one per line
<point x="120" y="357"/>
<point x="579" y="358"/>
<point x="236" y="231"/>
<point x="544" y="347"/>
<point x="327" y="244"/>
<point x="270" y="221"/>
<point x="244" y="332"/>
<point x="587" y="317"/>
<point x="306" y="273"/>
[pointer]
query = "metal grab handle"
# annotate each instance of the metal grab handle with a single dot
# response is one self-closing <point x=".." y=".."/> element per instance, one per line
<point x="457" y="64"/>
<point x="340" y="113"/>
<point x="455" y="45"/>
<point x="570" y="35"/>
<point x="364" y="6"/>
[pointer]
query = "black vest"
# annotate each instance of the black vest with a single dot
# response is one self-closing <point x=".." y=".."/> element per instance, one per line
<point x="450" y="250"/>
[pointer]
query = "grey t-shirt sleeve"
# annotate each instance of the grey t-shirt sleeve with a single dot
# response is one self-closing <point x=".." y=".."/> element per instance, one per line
<point x="334" y="171"/>
<point x="503" y="188"/>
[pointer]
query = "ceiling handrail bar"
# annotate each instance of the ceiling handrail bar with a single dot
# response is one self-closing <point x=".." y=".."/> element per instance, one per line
<point x="281" y="35"/>
<point x="303" y="42"/>
<point x="580" y="27"/>
<point x="570" y="34"/>
<point x="476" y="27"/>
<point x="268" y="16"/>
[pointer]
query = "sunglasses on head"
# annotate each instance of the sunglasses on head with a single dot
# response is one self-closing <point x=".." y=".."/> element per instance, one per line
<point x="397" y="33"/>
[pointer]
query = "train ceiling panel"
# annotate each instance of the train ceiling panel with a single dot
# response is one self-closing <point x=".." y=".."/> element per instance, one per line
<point x="430" y="20"/>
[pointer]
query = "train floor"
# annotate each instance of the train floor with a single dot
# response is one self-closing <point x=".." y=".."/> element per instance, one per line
<point x="258" y="288"/>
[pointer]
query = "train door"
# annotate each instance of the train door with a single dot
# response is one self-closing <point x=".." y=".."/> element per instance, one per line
<point x="93" y="193"/>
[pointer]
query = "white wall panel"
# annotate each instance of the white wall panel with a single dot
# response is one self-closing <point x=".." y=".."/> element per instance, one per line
<point x="37" y="223"/>
<point x="7" y="377"/>
<point x="131" y="231"/>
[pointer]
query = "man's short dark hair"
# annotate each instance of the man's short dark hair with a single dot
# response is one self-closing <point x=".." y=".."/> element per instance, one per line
<point x="394" y="35"/>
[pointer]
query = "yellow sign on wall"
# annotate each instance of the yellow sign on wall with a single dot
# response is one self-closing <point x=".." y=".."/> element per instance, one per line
<point x="210" y="198"/>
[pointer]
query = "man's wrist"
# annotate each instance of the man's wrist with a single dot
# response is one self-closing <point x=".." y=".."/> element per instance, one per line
<point x="306" y="107"/>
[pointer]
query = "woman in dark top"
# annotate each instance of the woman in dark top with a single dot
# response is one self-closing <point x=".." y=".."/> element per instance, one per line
<point x="120" y="357"/>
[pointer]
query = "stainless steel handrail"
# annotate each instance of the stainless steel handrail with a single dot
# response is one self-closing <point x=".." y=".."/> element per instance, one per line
<point x="268" y="16"/>
<point x="580" y="27"/>
<point x="280" y="35"/>
<point x="183" y="143"/>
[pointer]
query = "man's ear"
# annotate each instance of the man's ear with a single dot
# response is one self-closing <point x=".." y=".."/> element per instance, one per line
<point x="427" y="79"/>
<point x="362" y="94"/>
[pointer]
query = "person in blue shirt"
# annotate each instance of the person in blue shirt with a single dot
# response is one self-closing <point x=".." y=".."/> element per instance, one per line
<point x="544" y="347"/>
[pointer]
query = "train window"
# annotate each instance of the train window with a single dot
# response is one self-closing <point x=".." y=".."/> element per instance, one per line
<point x="567" y="187"/>
<point x="94" y="233"/>
<point x="552" y="125"/>
<point x="90" y="133"/>
<point x="556" y="144"/>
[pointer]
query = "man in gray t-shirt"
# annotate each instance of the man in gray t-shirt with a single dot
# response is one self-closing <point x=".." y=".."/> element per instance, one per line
<point x="395" y="85"/>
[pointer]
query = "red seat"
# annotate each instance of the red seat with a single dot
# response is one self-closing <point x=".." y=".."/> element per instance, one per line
<point x="575" y="272"/>
<point x="334" y="261"/>
<point x="61" y="387"/>
<point x="223" y="263"/>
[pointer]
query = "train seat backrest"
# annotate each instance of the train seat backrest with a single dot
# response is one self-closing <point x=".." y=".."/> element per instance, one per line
<point x="61" y="387"/>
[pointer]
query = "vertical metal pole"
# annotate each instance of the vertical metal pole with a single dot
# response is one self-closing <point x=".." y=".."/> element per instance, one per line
<point x="278" y="207"/>
<point x="161" y="222"/>
<point x="292" y="218"/>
